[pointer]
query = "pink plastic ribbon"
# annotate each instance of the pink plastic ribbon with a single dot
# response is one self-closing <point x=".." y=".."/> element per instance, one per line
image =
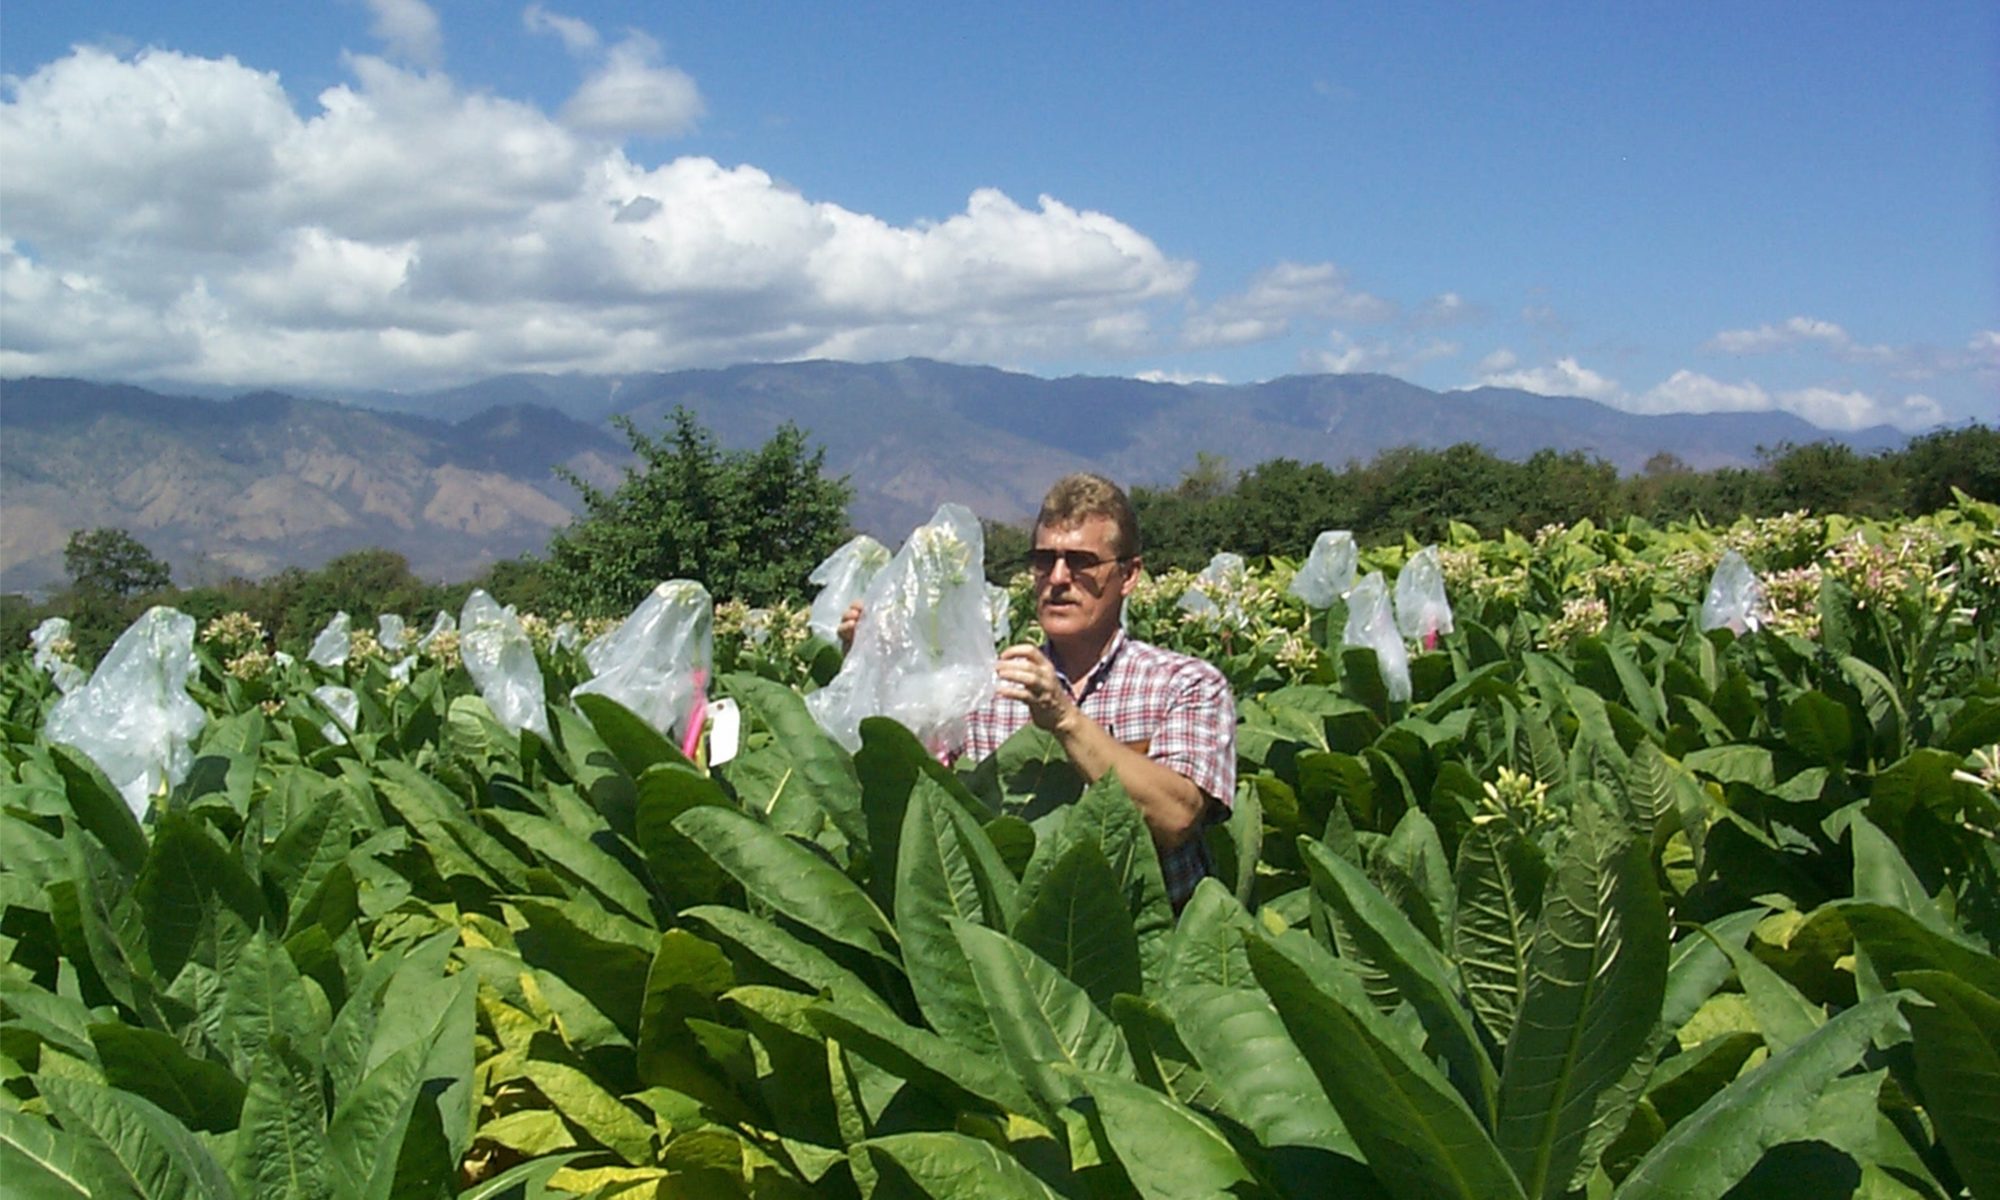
<point x="691" y="740"/>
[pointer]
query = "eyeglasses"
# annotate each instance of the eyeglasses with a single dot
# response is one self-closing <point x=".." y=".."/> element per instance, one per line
<point x="1042" y="561"/>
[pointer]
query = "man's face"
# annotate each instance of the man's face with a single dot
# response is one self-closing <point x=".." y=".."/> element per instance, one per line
<point x="1082" y="603"/>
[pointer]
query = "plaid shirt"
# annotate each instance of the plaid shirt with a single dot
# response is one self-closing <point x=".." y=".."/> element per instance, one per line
<point x="1174" y="709"/>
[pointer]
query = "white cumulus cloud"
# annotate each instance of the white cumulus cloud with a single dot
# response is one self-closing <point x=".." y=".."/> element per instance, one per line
<point x="1688" y="391"/>
<point x="166" y="217"/>
<point x="634" y="93"/>
<point x="1275" y="299"/>
<point x="578" y="35"/>
<point x="1565" y="377"/>
<point x="409" y="28"/>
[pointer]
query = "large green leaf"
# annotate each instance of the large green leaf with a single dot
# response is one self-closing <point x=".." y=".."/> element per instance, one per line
<point x="438" y="822"/>
<point x="683" y="874"/>
<point x="602" y="955"/>
<point x="889" y="764"/>
<point x="199" y="1093"/>
<point x="41" y="1162"/>
<point x="1415" y="875"/>
<point x="1706" y="1154"/>
<point x="635" y="744"/>
<point x="1385" y="940"/>
<point x="1208" y="941"/>
<point x="583" y="861"/>
<point x="1956" y="1031"/>
<point x="1501" y="874"/>
<point x="788" y="956"/>
<point x="1041" y="1019"/>
<point x="1253" y="1069"/>
<point x="950" y="1071"/>
<point x="310" y="848"/>
<point x="792" y="879"/>
<point x="1896" y="942"/>
<point x="265" y="1001"/>
<point x="282" y="1148"/>
<point x="1168" y="1150"/>
<point x="952" y="1166"/>
<point x="100" y="809"/>
<point x="132" y="1147"/>
<point x="1106" y="814"/>
<point x="1883" y="876"/>
<point x="190" y="879"/>
<point x="421" y="1032"/>
<point x="1597" y="978"/>
<point x="1817" y="726"/>
<point x="1076" y="919"/>
<point x="825" y="775"/>
<point x="1415" y="1129"/>
<point x="1698" y="965"/>
<point x="937" y="882"/>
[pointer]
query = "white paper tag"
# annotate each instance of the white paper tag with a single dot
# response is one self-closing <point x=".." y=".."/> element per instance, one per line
<point x="725" y="731"/>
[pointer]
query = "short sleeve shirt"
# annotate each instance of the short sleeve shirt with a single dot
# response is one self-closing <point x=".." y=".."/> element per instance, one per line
<point x="1174" y="709"/>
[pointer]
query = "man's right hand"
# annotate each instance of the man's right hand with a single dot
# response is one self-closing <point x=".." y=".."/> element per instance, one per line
<point x="848" y="620"/>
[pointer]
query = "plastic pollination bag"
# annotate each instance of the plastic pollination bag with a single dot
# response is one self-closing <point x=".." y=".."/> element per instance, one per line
<point x="345" y="707"/>
<point x="923" y="652"/>
<point x="1735" y="599"/>
<point x="1370" y="623"/>
<point x="1328" y="572"/>
<point x="134" y="718"/>
<point x="52" y="643"/>
<point x="1216" y="590"/>
<point x="391" y="632"/>
<point x="1422" y="612"/>
<point x="658" y="661"/>
<point x="843" y="578"/>
<point x="501" y="660"/>
<point x="331" y="647"/>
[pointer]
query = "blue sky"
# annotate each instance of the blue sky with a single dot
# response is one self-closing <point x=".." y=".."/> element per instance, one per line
<point x="1684" y="207"/>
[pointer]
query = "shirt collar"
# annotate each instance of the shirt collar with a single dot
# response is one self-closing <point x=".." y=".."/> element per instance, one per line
<point x="1095" y="675"/>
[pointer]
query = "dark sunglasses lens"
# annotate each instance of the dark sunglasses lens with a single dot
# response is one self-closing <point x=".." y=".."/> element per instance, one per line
<point x="1078" y="561"/>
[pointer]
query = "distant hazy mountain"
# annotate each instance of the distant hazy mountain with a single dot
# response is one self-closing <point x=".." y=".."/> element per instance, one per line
<point x="455" y="479"/>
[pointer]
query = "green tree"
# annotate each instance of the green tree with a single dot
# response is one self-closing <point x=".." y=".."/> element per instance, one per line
<point x="749" y="525"/>
<point x="1967" y="459"/>
<point x="111" y="562"/>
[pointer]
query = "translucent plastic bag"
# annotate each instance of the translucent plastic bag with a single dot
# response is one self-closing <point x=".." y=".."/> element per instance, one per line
<point x="1735" y="599"/>
<point x="1422" y="612"/>
<point x="658" y="662"/>
<point x="331" y="647"/>
<point x="501" y="660"/>
<point x="999" y="613"/>
<point x="1370" y="623"/>
<point x="134" y="718"/>
<point x="843" y="578"/>
<point x="1217" y="589"/>
<point x="440" y="625"/>
<point x="923" y="653"/>
<point x="391" y="632"/>
<point x="53" y="645"/>
<point x="1328" y="572"/>
<point x="346" y="708"/>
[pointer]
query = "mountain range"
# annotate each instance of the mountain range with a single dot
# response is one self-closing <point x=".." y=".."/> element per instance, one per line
<point x="456" y="479"/>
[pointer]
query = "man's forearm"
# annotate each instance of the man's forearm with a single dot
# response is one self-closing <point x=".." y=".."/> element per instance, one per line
<point x="1169" y="802"/>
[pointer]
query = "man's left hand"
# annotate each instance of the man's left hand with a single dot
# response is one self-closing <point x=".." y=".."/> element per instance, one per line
<point x="1027" y="675"/>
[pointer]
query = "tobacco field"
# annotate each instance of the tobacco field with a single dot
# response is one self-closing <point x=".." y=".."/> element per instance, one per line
<point x="1611" y="906"/>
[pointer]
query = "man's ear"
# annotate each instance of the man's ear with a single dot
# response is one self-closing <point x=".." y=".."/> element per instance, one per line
<point x="1131" y="575"/>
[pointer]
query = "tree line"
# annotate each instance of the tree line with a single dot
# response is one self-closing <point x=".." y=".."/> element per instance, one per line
<point x="752" y="524"/>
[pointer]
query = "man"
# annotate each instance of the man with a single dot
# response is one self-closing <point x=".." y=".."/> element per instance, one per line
<point x="1165" y="722"/>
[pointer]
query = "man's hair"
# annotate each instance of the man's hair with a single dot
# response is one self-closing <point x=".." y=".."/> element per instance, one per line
<point x="1073" y="498"/>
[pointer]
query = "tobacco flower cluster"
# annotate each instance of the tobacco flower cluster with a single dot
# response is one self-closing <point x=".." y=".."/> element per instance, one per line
<point x="1791" y="599"/>
<point x="1582" y="617"/>
<point x="233" y="633"/>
